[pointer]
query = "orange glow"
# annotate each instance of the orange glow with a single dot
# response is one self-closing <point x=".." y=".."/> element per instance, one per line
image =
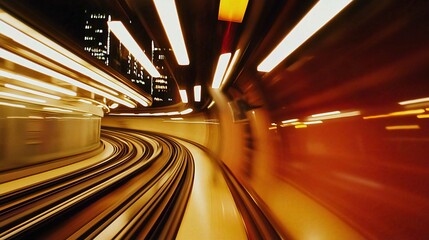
<point x="232" y="10"/>
<point x="403" y="127"/>
<point x="395" y="114"/>
<point x="423" y="116"/>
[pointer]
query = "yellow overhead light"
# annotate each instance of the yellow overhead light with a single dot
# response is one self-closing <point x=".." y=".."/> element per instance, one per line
<point x="184" y="96"/>
<point x="57" y="109"/>
<point x="211" y="104"/>
<point x="222" y="64"/>
<point x="167" y="12"/>
<point x="419" y="100"/>
<point x="37" y="83"/>
<point x="423" y="116"/>
<point x="39" y="68"/>
<point x="312" y="122"/>
<point x="12" y="28"/>
<point x="177" y="118"/>
<point x="197" y="93"/>
<point x="11" y="86"/>
<point x="396" y="114"/>
<point x="85" y="101"/>
<point x="290" y="120"/>
<point x="333" y="115"/>
<point x="326" y="114"/>
<point x="114" y="105"/>
<point x="232" y="10"/>
<point x="12" y="105"/>
<point x="231" y="66"/>
<point x="189" y="110"/>
<point x="314" y="20"/>
<point x="403" y="127"/>
<point x="118" y="28"/>
<point x="20" y="97"/>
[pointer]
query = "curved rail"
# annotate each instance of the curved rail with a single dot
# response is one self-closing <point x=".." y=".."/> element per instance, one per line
<point x="146" y="177"/>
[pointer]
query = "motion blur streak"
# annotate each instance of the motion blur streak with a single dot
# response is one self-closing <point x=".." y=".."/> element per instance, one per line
<point x="332" y="143"/>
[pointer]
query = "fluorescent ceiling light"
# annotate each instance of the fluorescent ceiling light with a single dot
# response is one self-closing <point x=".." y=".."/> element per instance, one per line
<point x="220" y="69"/>
<point x="57" y="109"/>
<point x="189" y="110"/>
<point x="12" y="105"/>
<point x="232" y="10"/>
<point x="290" y="120"/>
<point x="314" y="20"/>
<point x="173" y="113"/>
<point x="326" y="114"/>
<point x="167" y="12"/>
<point x="114" y="105"/>
<point x="118" y="28"/>
<point x="11" y="86"/>
<point x="334" y="116"/>
<point x="403" y="127"/>
<point x="60" y="55"/>
<point x="37" y="83"/>
<point x="419" y="100"/>
<point x="184" y="96"/>
<point x="211" y="104"/>
<point x="20" y="97"/>
<point x="85" y="101"/>
<point x="312" y="122"/>
<point x="39" y="68"/>
<point x="231" y="66"/>
<point x="197" y="93"/>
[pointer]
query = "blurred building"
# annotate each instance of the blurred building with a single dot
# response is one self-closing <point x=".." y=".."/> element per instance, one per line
<point x="103" y="45"/>
<point x="162" y="87"/>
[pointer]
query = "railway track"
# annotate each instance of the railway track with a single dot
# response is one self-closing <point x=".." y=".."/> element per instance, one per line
<point x="143" y="184"/>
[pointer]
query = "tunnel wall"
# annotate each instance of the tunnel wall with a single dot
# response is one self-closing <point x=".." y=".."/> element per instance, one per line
<point x="30" y="136"/>
<point x="196" y="127"/>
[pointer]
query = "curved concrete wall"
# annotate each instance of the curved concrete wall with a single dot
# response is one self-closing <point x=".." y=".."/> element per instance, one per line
<point x="29" y="136"/>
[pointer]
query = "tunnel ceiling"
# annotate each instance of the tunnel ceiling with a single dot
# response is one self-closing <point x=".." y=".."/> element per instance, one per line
<point x="291" y="84"/>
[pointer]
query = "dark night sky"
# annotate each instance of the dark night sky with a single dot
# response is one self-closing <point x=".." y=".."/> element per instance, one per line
<point x="65" y="16"/>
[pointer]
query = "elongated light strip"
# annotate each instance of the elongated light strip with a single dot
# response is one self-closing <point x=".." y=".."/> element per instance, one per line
<point x="47" y="51"/>
<point x="420" y="100"/>
<point x="183" y="96"/>
<point x="12" y="105"/>
<point x="58" y="57"/>
<point x="231" y="66"/>
<point x="57" y="109"/>
<point x="39" y="68"/>
<point x="290" y="120"/>
<point x="197" y="93"/>
<point x="326" y="114"/>
<point x="314" y="20"/>
<point x="11" y="86"/>
<point x="334" y="116"/>
<point x="167" y="12"/>
<point x="403" y="127"/>
<point x="211" y="104"/>
<point x="85" y="101"/>
<point x="189" y="110"/>
<point x="118" y="28"/>
<point x="37" y="83"/>
<point x="39" y="47"/>
<point x="222" y="64"/>
<point x="16" y="96"/>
